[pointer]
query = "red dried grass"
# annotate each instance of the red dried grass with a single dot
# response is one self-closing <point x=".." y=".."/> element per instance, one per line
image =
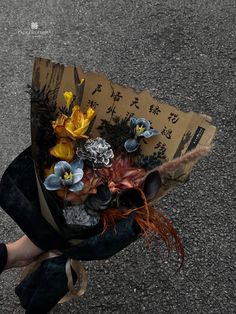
<point x="152" y="223"/>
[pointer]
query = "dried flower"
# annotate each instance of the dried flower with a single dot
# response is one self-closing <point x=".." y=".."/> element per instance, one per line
<point x="98" y="151"/>
<point x="88" y="213"/>
<point x="66" y="175"/>
<point x="59" y="126"/>
<point x="68" y="98"/>
<point x="140" y="127"/>
<point x="77" y="215"/>
<point x="122" y="175"/>
<point x="64" y="149"/>
<point x="91" y="182"/>
<point x="49" y="170"/>
<point x="74" y="126"/>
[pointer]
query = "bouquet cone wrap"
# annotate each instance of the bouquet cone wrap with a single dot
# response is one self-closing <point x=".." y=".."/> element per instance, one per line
<point x="180" y="132"/>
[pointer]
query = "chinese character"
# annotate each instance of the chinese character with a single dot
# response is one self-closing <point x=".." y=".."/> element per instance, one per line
<point x="92" y="104"/>
<point x="129" y="115"/>
<point x="111" y="110"/>
<point x="116" y="96"/>
<point x="161" y="147"/>
<point x="154" y="109"/>
<point x="135" y="103"/>
<point x="173" y="117"/>
<point x="97" y="89"/>
<point x="158" y="145"/>
<point x="166" y="132"/>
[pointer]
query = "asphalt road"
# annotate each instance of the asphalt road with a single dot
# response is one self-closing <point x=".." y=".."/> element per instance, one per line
<point x="184" y="52"/>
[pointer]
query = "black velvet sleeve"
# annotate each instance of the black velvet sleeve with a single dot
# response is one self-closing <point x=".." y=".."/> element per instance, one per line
<point x="102" y="246"/>
<point x="41" y="290"/>
<point x="19" y="199"/>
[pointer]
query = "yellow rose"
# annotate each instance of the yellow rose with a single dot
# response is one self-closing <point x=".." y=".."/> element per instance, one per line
<point x="68" y="98"/>
<point x="63" y="150"/>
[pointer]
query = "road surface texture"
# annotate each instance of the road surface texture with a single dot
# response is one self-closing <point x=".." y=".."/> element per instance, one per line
<point x="184" y="52"/>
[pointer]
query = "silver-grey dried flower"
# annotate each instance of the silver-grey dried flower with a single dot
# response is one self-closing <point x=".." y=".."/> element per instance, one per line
<point x="77" y="215"/>
<point x="97" y="151"/>
<point x="88" y="213"/>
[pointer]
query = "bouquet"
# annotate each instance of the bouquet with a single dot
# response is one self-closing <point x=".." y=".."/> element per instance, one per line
<point x="102" y="154"/>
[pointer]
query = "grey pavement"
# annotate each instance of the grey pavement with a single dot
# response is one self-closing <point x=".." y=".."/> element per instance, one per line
<point x="184" y="52"/>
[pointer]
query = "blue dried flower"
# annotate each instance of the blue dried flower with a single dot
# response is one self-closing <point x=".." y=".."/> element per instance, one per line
<point x="140" y="127"/>
<point x="66" y="175"/>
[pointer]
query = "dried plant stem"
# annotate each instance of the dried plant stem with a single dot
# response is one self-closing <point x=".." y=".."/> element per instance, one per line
<point x="192" y="156"/>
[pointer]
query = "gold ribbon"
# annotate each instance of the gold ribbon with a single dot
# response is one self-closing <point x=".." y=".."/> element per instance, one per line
<point x="70" y="263"/>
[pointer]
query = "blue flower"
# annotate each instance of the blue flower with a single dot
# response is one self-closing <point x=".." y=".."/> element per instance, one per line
<point x="66" y="175"/>
<point x="140" y="127"/>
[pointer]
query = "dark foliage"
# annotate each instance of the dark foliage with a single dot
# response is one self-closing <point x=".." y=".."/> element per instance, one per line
<point x="64" y="110"/>
<point x="149" y="162"/>
<point x="115" y="133"/>
<point x="43" y="111"/>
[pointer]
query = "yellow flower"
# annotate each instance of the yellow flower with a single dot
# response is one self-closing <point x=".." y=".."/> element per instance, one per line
<point x="90" y="114"/>
<point x="68" y="175"/>
<point x="58" y="126"/>
<point x="74" y="126"/>
<point x="48" y="171"/>
<point x="63" y="150"/>
<point x="68" y="98"/>
<point x="139" y="130"/>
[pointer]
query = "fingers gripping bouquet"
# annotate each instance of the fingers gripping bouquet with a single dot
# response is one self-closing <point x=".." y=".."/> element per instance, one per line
<point x="103" y="154"/>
